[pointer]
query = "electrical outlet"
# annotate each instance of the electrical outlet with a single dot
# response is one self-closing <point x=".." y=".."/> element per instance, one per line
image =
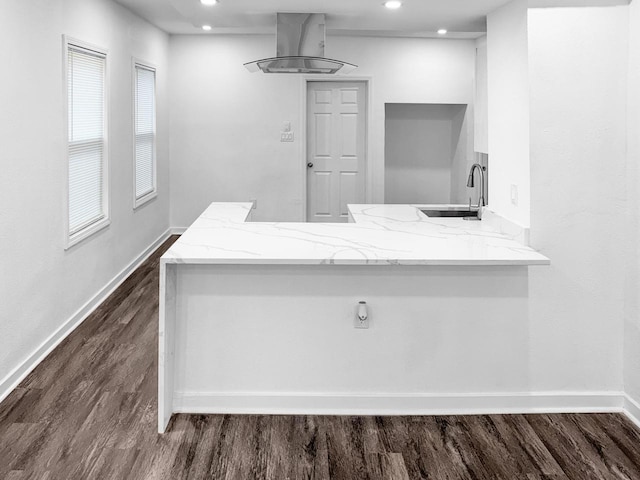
<point x="514" y="195"/>
<point x="361" y="319"/>
<point x="286" y="136"/>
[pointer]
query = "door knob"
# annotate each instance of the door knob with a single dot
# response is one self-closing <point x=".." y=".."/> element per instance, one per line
<point x="310" y="165"/>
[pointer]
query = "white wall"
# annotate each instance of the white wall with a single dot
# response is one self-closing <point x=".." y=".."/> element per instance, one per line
<point x="421" y="141"/>
<point x="226" y="122"/>
<point x="433" y="331"/>
<point x="508" y="110"/>
<point x="463" y="157"/>
<point x="41" y="284"/>
<point x="578" y="71"/>
<point x="632" y="311"/>
<point x="481" y="99"/>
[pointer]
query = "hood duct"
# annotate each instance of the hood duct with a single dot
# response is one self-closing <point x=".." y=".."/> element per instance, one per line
<point x="300" y="47"/>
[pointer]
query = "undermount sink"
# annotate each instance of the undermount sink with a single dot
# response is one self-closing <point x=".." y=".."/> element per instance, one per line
<point x="450" y="213"/>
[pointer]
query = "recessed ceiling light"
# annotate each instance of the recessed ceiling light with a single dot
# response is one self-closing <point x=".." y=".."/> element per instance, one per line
<point x="442" y="31"/>
<point x="206" y="28"/>
<point x="393" y="4"/>
<point x="208" y="3"/>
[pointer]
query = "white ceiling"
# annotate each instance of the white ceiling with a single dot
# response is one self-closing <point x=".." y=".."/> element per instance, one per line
<point x="463" y="18"/>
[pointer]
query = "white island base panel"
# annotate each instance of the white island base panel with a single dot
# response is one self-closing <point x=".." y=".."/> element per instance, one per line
<point x="278" y="338"/>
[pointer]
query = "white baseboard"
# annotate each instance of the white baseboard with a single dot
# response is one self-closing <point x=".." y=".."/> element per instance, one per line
<point x="632" y="409"/>
<point x="397" y="404"/>
<point x="13" y="379"/>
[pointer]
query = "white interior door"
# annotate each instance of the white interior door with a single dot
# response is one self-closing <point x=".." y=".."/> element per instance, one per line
<point x="336" y="130"/>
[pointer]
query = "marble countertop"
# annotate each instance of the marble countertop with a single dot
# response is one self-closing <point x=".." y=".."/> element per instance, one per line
<point x="380" y="235"/>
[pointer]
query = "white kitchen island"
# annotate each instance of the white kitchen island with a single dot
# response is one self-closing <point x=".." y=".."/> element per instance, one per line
<point x="259" y="317"/>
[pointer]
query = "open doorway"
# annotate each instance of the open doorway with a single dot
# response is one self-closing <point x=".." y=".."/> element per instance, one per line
<point x="428" y="153"/>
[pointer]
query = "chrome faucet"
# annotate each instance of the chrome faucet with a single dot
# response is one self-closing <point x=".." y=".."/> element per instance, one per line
<point x="471" y="184"/>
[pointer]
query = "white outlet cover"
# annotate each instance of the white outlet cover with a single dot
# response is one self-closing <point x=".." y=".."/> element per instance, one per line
<point x="357" y="323"/>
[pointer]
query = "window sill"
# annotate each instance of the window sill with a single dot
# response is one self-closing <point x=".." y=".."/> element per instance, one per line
<point x="139" y="202"/>
<point x="87" y="232"/>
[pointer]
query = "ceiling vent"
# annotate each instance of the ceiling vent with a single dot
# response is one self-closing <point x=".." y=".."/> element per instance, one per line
<point x="300" y="47"/>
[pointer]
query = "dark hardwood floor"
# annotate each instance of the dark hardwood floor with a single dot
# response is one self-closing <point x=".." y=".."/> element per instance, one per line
<point x="89" y="412"/>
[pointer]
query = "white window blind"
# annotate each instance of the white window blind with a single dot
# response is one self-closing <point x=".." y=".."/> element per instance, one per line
<point x="86" y="97"/>
<point x="145" y="130"/>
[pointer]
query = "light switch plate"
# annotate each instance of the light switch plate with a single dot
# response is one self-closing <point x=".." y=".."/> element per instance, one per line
<point x="514" y="195"/>
<point x="286" y="136"/>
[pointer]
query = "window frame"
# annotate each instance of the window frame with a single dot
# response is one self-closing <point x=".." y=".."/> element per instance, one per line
<point x="74" y="238"/>
<point x="139" y="63"/>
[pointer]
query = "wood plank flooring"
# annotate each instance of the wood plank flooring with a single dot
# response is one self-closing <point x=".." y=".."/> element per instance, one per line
<point x="89" y="412"/>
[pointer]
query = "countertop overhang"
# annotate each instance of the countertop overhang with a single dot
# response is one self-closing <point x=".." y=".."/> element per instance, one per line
<point x="379" y="235"/>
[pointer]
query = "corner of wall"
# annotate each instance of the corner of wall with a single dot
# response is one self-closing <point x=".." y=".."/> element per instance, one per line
<point x="631" y="331"/>
<point x="509" y="111"/>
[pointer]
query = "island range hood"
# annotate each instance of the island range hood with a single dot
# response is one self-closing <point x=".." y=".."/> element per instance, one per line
<point x="300" y="47"/>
